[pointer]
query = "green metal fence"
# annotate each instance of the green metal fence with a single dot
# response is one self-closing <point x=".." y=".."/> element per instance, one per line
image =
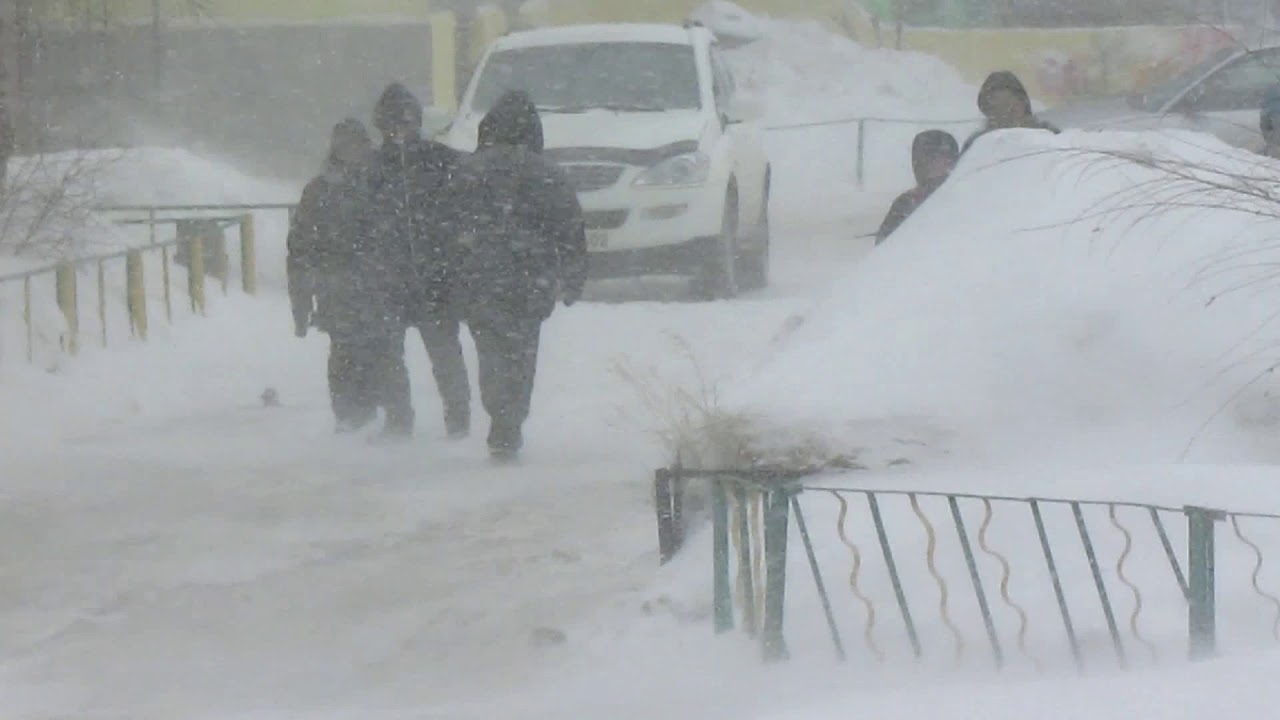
<point x="1027" y="580"/>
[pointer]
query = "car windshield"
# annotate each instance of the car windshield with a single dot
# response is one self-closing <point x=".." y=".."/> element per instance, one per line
<point x="1155" y="98"/>
<point x="624" y="76"/>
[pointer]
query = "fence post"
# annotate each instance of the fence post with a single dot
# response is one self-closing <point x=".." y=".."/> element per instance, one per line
<point x="65" y="287"/>
<point x="26" y="319"/>
<point x="444" y="63"/>
<point x="249" y="255"/>
<point x="136" y="293"/>
<point x="666" y="495"/>
<point x="721" y="594"/>
<point x="776" y="515"/>
<point x="861" y="162"/>
<point x="195" y="274"/>
<point x="1201" y="611"/>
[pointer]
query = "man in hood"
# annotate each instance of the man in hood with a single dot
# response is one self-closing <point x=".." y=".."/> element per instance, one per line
<point x="1005" y="104"/>
<point x="1269" y="124"/>
<point x="933" y="156"/>
<point x="523" y="247"/>
<point x="411" y="180"/>
<point x="337" y="282"/>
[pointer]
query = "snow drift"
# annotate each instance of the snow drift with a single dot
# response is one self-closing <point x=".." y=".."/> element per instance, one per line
<point x="1093" y="296"/>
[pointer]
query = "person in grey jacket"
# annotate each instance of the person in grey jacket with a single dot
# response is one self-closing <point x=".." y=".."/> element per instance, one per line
<point x="339" y="284"/>
<point x="522" y="248"/>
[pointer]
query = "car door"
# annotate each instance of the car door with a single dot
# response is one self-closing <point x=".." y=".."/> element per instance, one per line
<point x="746" y="142"/>
<point x="1226" y="103"/>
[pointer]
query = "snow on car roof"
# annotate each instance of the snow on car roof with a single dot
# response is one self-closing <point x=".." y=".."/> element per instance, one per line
<point x="615" y="32"/>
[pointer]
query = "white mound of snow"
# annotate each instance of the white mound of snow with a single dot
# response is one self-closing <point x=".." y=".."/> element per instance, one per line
<point x="1056" y="297"/>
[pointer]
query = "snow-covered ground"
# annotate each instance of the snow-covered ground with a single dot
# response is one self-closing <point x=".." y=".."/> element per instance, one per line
<point x="169" y="547"/>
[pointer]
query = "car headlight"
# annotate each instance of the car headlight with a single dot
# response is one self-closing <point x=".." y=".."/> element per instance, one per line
<point x="689" y="169"/>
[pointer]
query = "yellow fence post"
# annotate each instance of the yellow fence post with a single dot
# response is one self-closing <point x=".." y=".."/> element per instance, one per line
<point x="444" y="60"/>
<point x="195" y="274"/>
<point x="489" y="25"/>
<point x="65" y="287"/>
<point x="248" y="255"/>
<point x="136" y="293"/>
<point x="26" y="319"/>
<point x="168" y="283"/>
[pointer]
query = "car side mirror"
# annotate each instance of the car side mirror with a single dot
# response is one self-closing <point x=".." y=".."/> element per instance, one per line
<point x="436" y="120"/>
<point x="745" y="108"/>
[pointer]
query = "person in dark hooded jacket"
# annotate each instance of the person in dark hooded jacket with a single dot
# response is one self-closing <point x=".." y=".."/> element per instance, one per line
<point x="337" y="282"/>
<point x="933" y="156"/>
<point x="1269" y="124"/>
<point x="522" y="248"/>
<point x="412" y="178"/>
<point x="1005" y="103"/>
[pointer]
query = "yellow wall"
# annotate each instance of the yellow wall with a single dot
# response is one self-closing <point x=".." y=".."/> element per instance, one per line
<point x="1061" y="65"/>
<point x="242" y="10"/>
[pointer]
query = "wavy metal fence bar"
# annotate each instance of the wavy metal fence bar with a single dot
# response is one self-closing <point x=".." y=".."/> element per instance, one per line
<point x="948" y="577"/>
<point x="202" y="255"/>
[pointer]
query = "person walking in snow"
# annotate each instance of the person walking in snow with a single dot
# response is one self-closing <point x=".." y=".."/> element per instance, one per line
<point x="933" y="156"/>
<point x="522" y="247"/>
<point x="338" y="283"/>
<point x="1269" y="124"/>
<point x="411" y="178"/>
<point x="1005" y="103"/>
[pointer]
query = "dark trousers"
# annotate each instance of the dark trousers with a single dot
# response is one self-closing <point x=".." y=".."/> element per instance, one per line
<point x="440" y="337"/>
<point x="508" y="350"/>
<point x="366" y="373"/>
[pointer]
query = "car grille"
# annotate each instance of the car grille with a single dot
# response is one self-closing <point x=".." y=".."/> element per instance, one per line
<point x="604" y="219"/>
<point x="588" y="178"/>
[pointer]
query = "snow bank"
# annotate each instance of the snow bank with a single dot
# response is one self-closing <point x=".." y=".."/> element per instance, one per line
<point x="808" y="74"/>
<point x="1056" y="299"/>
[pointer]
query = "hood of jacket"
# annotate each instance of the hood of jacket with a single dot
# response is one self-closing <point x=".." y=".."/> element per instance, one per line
<point x="513" y="121"/>
<point x="930" y="144"/>
<point x="1001" y="80"/>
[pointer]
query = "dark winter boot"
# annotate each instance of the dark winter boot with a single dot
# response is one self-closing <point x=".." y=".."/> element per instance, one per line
<point x="505" y="442"/>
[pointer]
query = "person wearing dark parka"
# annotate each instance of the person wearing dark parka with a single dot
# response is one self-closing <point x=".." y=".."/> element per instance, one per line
<point x="339" y="285"/>
<point x="412" y="178"/>
<point x="1006" y="104"/>
<point x="1269" y="124"/>
<point x="522" y="248"/>
<point x="933" y="156"/>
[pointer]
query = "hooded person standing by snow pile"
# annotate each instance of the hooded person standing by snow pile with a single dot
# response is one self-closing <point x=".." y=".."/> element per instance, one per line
<point x="933" y="156"/>
<point x="523" y="248"/>
<point x="1004" y="101"/>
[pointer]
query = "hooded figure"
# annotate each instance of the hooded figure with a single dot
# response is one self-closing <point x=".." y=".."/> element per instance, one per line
<point x="1005" y="104"/>
<point x="933" y="156"/>
<point x="522" y="247"/>
<point x="338" y="281"/>
<point x="1269" y="124"/>
<point x="412" y="178"/>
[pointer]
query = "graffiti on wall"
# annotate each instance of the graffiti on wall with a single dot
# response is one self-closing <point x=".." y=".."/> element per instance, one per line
<point x="1123" y="62"/>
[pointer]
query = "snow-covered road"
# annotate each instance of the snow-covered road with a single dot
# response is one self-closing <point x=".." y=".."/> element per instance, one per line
<point x="170" y="546"/>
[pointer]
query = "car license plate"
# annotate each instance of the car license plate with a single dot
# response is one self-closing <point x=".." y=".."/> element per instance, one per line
<point x="597" y="240"/>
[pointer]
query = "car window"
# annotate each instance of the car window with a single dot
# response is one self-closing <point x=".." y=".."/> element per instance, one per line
<point x="634" y="76"/>
<point x="1240" y="85"/>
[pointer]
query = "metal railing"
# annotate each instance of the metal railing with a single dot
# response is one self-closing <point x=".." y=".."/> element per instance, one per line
<point x="122" y="279"/>
<point x="863" y="126"/>
<point x="1050" y="581"/>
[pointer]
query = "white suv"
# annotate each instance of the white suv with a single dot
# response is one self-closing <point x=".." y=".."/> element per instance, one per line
<point x="667" y="159"/>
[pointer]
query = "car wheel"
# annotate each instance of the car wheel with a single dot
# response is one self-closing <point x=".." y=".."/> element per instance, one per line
<point x="754" y="273"/>
<point x="717" y="278"/>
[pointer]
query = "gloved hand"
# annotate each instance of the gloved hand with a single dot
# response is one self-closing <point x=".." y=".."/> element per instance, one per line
<point x="301" y="325"/>
<point x="570" y="295"/>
